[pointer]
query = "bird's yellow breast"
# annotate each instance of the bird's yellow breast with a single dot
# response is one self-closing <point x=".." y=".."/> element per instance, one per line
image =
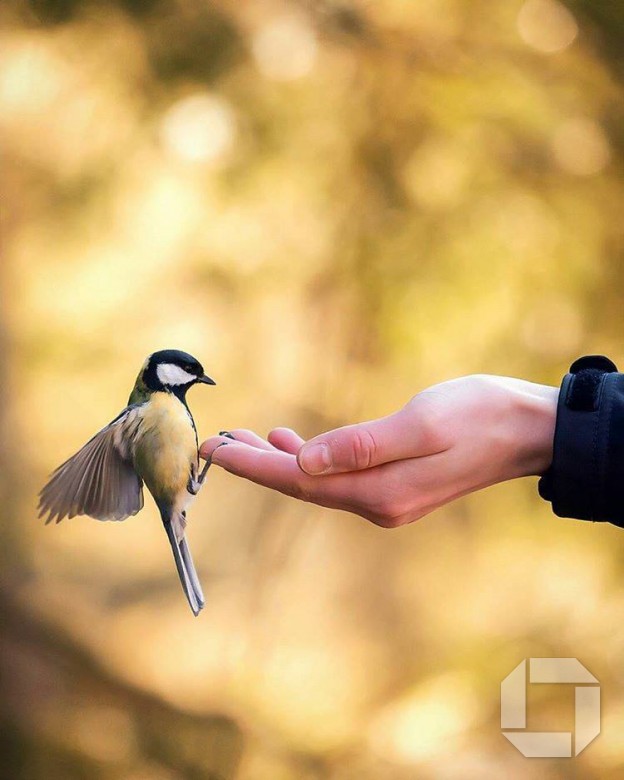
<point x="166" y="447"/>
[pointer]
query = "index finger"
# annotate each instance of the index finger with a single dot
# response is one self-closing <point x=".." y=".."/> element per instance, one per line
<point x="279" y="470"/>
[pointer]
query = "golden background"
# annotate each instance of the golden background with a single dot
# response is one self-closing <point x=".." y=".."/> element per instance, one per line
<point x="332" y="205"/>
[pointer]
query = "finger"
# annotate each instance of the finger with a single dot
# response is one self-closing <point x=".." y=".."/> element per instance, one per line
<point x="251" y="438"/>
<point x="226" y="437"/>
<point x="286" y="440"/>
<point x="279" y="471"/>
<point x="405" y="434"/>
<point x="378" y="494"/>
<point x="208" y="446"/>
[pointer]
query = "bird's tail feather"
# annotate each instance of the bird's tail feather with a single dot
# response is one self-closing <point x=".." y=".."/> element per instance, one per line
<point x="190" y="569"/>
<point x="186" y="569"/>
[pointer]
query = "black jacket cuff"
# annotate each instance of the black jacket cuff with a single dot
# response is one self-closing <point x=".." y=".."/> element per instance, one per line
<point x="586" y="478"/>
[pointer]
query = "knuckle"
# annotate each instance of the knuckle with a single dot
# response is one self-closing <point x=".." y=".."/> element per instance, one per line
<point x="384" y="521"/>
<point x="433" y="427"/>
<point x="390" y="512"/>
<point x="431" y="413"/>
<point x="392" y="518"/>
<point x="363" y="448"/>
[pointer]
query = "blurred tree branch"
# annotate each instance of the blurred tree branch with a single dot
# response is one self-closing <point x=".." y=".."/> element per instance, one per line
<point x="39" y="659"/>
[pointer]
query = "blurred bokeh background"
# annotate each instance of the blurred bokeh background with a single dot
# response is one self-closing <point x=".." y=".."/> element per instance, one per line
<point x="333" y="204"/>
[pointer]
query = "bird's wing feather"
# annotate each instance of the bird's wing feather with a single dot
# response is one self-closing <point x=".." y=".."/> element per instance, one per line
<point x="99" y="480"/>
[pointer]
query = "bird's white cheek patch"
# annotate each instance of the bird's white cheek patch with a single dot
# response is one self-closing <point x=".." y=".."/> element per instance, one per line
<point x="170" y="374"/>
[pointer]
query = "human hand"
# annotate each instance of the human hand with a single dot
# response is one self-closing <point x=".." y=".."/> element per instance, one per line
<point x="447" y="441"/>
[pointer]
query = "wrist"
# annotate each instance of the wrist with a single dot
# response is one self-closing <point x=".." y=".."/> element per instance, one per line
<point x="533" y="427"/>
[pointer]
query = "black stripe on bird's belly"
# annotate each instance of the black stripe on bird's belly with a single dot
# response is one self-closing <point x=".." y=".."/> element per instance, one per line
<point x="180" y="394"/>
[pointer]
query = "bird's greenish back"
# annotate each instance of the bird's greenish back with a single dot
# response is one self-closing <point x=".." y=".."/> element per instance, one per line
<point x="140" y="392"/>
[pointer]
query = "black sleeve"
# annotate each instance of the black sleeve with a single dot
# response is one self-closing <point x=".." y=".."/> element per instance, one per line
<point x="586" y="478"/>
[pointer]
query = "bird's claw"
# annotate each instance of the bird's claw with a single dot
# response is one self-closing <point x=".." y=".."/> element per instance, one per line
<point x="195" y="483"/>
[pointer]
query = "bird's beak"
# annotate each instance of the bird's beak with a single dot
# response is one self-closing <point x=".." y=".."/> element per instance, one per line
<point x="206" y="380"/>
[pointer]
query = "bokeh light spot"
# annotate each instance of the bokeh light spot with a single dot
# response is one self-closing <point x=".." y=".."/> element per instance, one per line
<point x="31" y="79"/>
<point x="581" y="147"/>
<point x="427" y="722"/>
<point x="285" y="48"/>
<point x="199" y="128"/>
<point x="436" y="174"/>
<point x="546" y="25"/>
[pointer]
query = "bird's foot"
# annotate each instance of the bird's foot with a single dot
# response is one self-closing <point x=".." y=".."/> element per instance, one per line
<point x="195" y="483"/>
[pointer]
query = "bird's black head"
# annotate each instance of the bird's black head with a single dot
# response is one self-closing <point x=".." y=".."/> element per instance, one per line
<point x="173" y="370"/>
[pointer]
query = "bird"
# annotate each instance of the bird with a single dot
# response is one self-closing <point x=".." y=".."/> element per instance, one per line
<point x="153" y="440"/>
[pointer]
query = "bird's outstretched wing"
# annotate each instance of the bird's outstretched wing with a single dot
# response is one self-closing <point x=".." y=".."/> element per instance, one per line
<point x="99" y="480"/>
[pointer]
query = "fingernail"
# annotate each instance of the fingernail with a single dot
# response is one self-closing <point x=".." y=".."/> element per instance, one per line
<point x="315" y="458"/>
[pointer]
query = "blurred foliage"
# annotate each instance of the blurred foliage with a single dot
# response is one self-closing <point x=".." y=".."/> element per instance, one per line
<point x="334" y="205"/>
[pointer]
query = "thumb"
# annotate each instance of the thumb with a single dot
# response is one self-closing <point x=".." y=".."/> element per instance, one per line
<point x="362" y="446"/>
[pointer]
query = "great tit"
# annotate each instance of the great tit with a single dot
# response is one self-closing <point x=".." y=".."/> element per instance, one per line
<point x="153" y="440"/>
